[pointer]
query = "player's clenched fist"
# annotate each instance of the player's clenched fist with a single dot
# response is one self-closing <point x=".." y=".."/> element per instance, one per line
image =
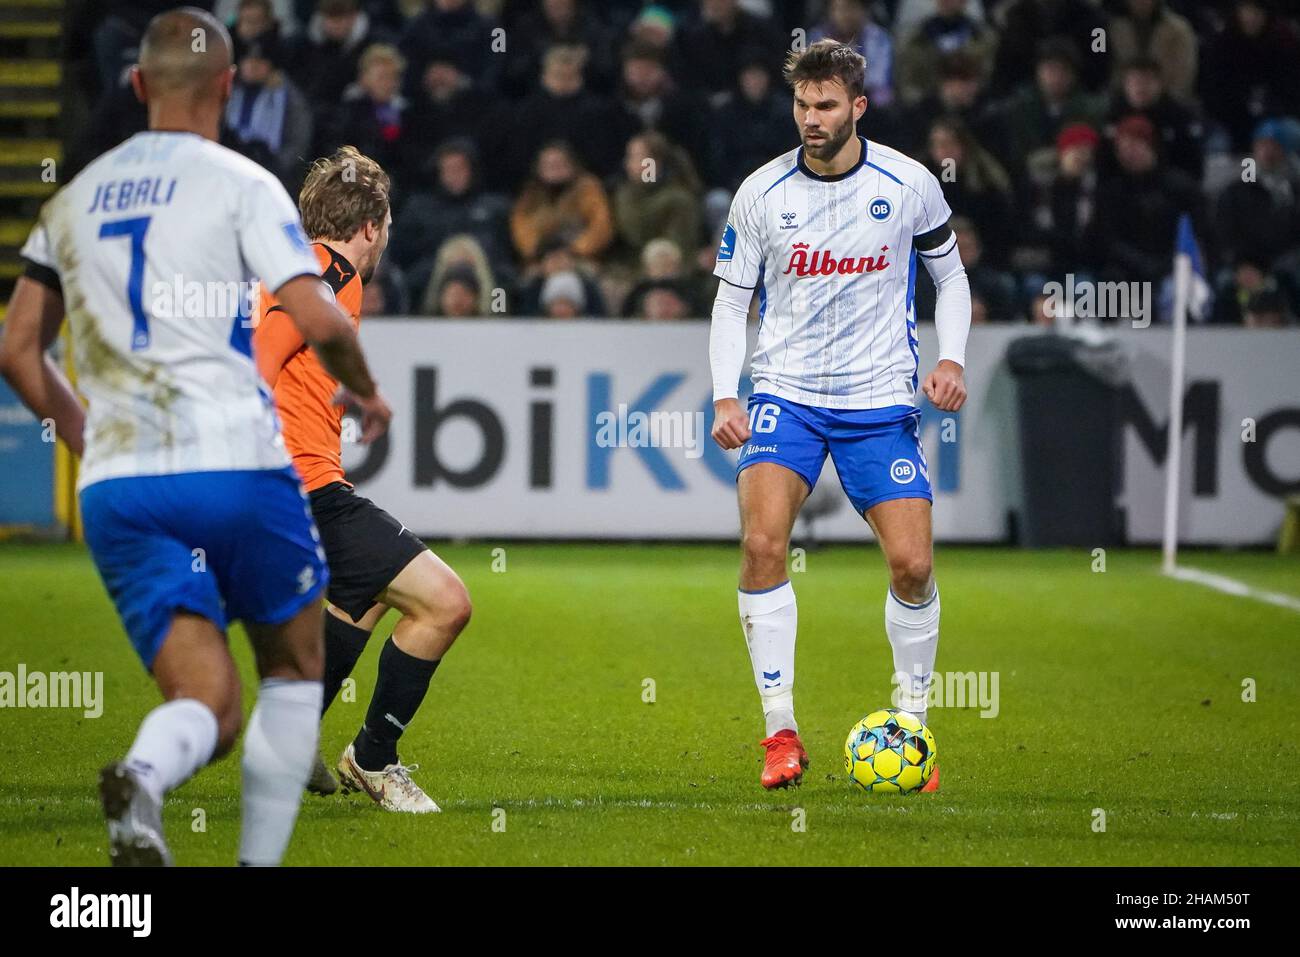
<point x="730" y="424"/>
<point x="945" y="387"/>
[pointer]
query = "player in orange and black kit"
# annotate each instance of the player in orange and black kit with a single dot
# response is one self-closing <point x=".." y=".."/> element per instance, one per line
<point x="375" y="563"/>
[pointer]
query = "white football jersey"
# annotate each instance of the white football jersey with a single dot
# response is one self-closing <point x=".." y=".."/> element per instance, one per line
<point x="833" y="261"/>
<point x="158" y="245"/>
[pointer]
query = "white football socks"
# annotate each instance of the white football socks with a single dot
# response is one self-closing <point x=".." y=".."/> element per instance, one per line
<point x="769" y="619"/>
<point x="175" y="740"/>
<point x="913" y="632"/>
<point x="279" y="751"/>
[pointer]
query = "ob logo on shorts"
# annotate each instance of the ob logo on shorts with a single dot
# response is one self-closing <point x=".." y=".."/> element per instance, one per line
<point x="902" y="471"/>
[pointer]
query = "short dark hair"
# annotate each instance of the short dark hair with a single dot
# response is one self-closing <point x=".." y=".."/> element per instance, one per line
<point x="456" y="145"/>
<point x="828" y="60"/>
<point x="637" y="49"/>
<point x="1059" y="50"/>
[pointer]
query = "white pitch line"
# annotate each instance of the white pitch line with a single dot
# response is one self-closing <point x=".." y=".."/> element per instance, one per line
<point x="1230" y="586"/>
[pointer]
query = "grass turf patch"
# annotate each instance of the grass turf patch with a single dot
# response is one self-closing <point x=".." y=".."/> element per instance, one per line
<point x="1119" y="691"/>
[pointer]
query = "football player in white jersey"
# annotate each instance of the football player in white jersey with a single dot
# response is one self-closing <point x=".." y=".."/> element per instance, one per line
<point x="829" y="235"/>
<point x="192" y="512"/>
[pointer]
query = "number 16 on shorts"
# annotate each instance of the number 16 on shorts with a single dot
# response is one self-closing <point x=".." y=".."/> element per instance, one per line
<point x="763" y="416"/>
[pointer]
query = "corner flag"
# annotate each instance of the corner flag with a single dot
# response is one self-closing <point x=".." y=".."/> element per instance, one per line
<point x="1191" y="296"/>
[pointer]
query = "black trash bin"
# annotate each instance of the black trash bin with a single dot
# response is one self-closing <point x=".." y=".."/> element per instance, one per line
<point x="1068" y="392"/>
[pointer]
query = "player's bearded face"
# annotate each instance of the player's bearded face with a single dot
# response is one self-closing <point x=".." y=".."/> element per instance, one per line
<point x="822" y="143"/>
<point x="824" y="129"/>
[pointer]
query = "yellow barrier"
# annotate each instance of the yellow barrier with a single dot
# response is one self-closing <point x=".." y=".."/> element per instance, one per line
<point x="67" y="512"/>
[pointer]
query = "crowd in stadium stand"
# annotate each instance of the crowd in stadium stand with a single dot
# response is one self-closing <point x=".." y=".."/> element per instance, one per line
<point x="1069" y="136"/>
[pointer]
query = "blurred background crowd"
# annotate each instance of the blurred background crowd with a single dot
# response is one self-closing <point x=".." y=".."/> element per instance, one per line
<point x="1068" y="135"/>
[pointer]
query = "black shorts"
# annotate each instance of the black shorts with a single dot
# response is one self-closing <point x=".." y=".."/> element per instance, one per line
<point x="365" y="547"/>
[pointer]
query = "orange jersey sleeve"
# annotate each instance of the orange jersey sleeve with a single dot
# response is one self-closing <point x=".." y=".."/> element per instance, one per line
<point x="276" y="339"/>
<point x="304" y="392"/>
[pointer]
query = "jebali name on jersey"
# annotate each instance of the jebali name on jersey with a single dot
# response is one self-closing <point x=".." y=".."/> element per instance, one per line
<point x="834" y="264"/>
<point x="169" y="391"/>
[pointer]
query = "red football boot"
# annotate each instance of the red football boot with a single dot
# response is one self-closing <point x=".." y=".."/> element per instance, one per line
<point x="785" y="760"/>
<point x="933" y="783"/>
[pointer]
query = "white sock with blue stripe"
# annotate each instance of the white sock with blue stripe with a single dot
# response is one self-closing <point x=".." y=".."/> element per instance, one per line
<point x="913" y="632"/>
<point x="770" y="619"/>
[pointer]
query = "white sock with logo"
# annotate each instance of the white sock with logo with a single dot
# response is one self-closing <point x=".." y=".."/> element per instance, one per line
<point x="769" y="619"/>
<point x="913" y="632"/>
<point x="279" y="751"/>
<point x="175" y="740"/>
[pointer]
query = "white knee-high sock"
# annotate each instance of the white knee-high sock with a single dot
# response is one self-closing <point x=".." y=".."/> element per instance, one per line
<point x="279" y="749"/>
<point x="175" y="739"/>
<point x="913" y="632"/>
<point x="770" y="619"/>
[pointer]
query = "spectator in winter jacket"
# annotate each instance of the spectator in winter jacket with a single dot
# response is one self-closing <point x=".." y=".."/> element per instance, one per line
<point x="453" y="30"/>
<point x="1250" y="71"/>
<point x="751" y="126"/>
<point x="960" y="93"/>
<point x="462" y="260"/>
<point x="974" y="183"/>
<point x="657" y="198"/>
<point x="554" y="258"/>
<point x="1058" y="205"/>
<point x="372" y="115"/>
<point x="326" y="55"/>
<point x="1258" y="218"/>
<point x="561" y="108"/>
<point x="664" y="267"/>
<point x="446" y="106"/>
<point x="561" y="201"/>
<point x="1148" y="28"/>
<point x="714" y="46"/>
<point x="570" y="23"/>
<point x="1178" y="126"/>
<point x="952" y="29"/>
<point x="1027" y="24"/>
<point x="650" y="99"/>
<point x="1031" y="117"/>
<point x="1138" y="208"/>
<point x="266" y="111"/>
<point x="454" y="204"/>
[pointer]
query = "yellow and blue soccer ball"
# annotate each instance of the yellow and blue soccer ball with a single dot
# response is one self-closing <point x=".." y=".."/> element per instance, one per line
<point x="890" y="751"/>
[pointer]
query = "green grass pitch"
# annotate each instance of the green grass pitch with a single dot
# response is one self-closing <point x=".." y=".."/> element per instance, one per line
<point x="1118" y="690"/>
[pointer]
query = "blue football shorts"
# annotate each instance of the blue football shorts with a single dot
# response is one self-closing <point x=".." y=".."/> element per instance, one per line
<point x="877" y="452"/>
<point x="230" y="546"/>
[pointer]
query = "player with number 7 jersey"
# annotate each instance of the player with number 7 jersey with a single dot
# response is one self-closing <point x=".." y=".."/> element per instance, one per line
<point x="191" y="508"/>
<point x="829" y="235"/>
